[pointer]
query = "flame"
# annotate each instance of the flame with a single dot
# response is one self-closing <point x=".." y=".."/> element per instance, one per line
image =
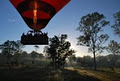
<point x="35" y="13"/>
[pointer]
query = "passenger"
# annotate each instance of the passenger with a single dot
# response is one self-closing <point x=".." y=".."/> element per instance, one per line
<point x="23" y="34"/>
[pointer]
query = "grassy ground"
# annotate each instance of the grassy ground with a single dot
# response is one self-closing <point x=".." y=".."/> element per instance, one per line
<point x="49" y="74"/>
<point x="103" y="74"/>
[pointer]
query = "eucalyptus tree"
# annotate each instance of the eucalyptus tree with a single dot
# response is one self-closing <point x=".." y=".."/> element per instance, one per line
<point x="114" y="49"/>
<point x="10" y="47"/>
<point x="91" y="27"/>
<point x="58" y="50"/>
<point x="116" y="25"/>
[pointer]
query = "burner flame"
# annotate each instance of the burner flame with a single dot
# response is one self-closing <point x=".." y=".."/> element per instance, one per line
<point x="35" y="13"/>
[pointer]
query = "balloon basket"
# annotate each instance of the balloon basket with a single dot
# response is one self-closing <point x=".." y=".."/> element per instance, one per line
<point x="34" y="38"/>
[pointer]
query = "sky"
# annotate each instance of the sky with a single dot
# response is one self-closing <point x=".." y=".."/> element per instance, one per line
<point x="64" y="22"/>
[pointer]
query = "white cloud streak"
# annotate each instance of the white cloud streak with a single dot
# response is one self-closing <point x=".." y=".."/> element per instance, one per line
<point x="11" y="20"/>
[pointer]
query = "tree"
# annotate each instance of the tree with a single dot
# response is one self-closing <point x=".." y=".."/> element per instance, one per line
<point x="91" y="26"/>
<point x="19" y="45"/>
<point x="10" y="47"/>
<point x="116" y="25"/>
<point x="114" y="48"/>
<point x="58" y="50"/>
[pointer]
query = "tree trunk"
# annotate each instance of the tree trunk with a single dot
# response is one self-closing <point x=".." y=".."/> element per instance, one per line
<point x="53" y="62"/>
<point x="94" y="61"/>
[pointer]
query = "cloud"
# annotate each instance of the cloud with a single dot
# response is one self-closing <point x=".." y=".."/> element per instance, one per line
<point x="11" y="20"/>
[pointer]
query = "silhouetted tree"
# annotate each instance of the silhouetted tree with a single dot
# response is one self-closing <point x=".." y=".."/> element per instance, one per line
<point x="116" y="25"/>
<point x="91" y="26"/>
<point x="10" y="47"/>
<point x="114" y="48"/>
<point x="58" y="50"/>
<point x="19" y="45"/>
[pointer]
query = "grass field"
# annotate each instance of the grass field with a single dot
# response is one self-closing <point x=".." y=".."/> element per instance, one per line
<point x="49" y="74"/>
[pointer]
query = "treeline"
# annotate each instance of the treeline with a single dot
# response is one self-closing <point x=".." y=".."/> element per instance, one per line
<point x="42" y="60"/>
<point x="23" y="59"/>
<point x="38" y="59"/>
<point x="107" y="61"/>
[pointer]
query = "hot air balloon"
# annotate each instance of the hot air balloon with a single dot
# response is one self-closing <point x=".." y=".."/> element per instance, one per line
<point x="37" y="14"/>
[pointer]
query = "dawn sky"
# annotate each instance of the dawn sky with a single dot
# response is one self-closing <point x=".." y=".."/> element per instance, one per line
<point x="64" y="22"/>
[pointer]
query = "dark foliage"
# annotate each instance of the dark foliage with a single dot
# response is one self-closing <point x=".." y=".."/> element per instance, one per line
<point x="116" y="25"/>
<point x="58" y="50"/>
<point x="91" y="26"/>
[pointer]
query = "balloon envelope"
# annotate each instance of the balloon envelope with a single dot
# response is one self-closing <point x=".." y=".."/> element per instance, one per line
<point x="37" y="13"/>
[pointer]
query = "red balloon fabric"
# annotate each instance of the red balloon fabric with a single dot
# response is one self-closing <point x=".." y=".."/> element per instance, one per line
<point x="37" y="13"/>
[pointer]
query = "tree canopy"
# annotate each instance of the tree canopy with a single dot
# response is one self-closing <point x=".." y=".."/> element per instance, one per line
<point x="58" y="50"/>
<point x="11" y="47"/>
<point x="114" y="47"/>
<point x="116" y="25"/>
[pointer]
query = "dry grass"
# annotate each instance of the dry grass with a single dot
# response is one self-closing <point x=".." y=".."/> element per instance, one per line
<point x="104" y="74"/>
<point x="49" y="74"/>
